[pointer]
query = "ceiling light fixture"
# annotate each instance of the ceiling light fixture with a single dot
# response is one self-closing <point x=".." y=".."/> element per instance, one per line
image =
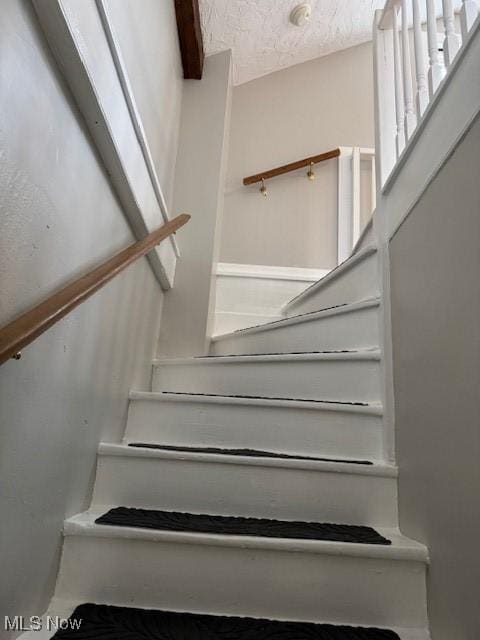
<point x="301" y="14"/>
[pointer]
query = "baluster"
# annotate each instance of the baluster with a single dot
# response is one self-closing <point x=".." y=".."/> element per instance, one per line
<point x="410" y="117"/>
<point x="422" y="88"/>
<point x="399" y="103"/>
<point x="436" y="70"/>
<point x="451" y="44"/>
<point x="468" y="15"/>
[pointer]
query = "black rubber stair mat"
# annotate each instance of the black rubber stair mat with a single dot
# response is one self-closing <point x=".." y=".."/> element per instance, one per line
<point x="231" y="525"/>
<point x="298" y="315"/>
<point x="244" y="397"/>
<point x="278" y="353"/>
<point x="252" y="453"/>
<point x="98" y="622"/>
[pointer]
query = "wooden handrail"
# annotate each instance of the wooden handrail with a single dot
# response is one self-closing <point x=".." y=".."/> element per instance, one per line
<point x="25" y="328"/>
<point x="293" y="166"/>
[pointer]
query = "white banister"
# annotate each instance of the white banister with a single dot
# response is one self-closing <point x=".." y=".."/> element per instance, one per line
<point x="406" y="84"/>
<point x="451" y="44"/>
<point x="436" y="69"/>
<point x="399" y="101"/>
<point x="421" y="75"/>
<point x="468" y="15"/>
<point x="410" y="119"/>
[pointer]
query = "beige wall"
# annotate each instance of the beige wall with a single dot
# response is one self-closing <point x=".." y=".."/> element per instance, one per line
<point x="59" y="217"/>
<point x="287" y="115"/>
<point x="435" y="267"/>
<point x="188" y="316"/>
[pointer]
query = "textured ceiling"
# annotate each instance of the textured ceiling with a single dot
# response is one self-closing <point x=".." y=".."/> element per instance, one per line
<point x="263" y="39"/>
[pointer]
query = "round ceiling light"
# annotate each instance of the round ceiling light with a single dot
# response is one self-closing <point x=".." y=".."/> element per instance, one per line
<point x="301" y="14"/>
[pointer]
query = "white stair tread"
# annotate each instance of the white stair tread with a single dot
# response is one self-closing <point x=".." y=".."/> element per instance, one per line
<point x="302" y="317"/>
<point x="369" y="408"/>
<point x="347" y="354"/>
<point x="401" y="548"/>
<point x="378" y="468"/>
<point x="342" y="268"/>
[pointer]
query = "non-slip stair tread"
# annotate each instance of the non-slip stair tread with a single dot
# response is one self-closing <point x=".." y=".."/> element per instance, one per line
<point x="244" y="452"/>
<point x="283" y="353"/>
<point x="247" y="397"/>
<point x="98" y="622"/>
<point x="230" y="525"/>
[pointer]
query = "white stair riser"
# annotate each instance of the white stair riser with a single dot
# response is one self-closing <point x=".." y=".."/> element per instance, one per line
<point x="272" y="428"/>
<point x="358" y="283"/>
<point x="242" y="581"/>
<point x="343" y="331"/>
<point x="349" y="380"/>
<point x="245" y="490"/>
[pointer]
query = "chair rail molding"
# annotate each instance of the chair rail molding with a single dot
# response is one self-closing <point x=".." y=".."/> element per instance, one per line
<point x="84" y="45"/>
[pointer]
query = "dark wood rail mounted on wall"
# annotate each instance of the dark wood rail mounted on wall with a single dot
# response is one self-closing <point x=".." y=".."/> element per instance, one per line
<point x="293" y="166"/>
<point x="23" y="330"/>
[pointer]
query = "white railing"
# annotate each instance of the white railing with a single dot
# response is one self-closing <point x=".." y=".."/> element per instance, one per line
<point x="416" y="42"/>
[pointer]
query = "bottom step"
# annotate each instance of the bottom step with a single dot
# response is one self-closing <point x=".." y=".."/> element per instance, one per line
<point x="101" y="621"/>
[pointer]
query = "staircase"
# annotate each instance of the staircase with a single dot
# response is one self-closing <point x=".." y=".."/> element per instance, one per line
<point x="221" y="498"/>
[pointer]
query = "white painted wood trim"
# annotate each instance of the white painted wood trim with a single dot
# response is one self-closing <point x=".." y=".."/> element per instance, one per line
<point x="134" y="112"/>
<point x="349" y="197"/>
<point x="378" y="468"/>
<point x="344" y="204"/>
<point x="370" y="409"/>
<point x="115" y="138"/>
<point x="356" y="223"/>
<point x="230" y="269"/>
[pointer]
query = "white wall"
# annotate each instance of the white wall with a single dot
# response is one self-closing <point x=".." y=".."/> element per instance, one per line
<point x="148" y="38"/>
<point x="188" y="317"/>
<point x="435" y="264"/>
<point x="248" y="294"/>
<point x="287" y="115"/>
<point x="59" y="217"/>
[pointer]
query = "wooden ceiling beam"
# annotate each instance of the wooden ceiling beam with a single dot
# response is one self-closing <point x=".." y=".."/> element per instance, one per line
<point x="190" y="38"/>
